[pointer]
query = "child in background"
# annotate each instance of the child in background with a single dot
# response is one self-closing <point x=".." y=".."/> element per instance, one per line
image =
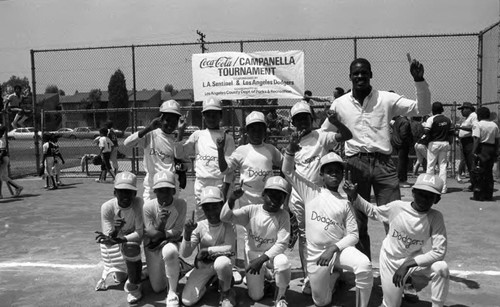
<point x="4" y="166"/>
<point x="203" y="145"/>
<point x="411" y="225"/>
<point x="105" y="146"/>
<point x="209" y="235"/>
<point x="268" y="228"/>
<point x="48" y="162"/>
<point x="122" y="223"/>
<point x="58" y="158"/>
<point x="164" y="218"/>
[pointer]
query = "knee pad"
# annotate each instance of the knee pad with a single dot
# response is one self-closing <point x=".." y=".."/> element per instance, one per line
<point x="170" y="252"/>
<point x="281" y="263"/>
<point x="221" y="263"/>
<point x="131" y="251"/>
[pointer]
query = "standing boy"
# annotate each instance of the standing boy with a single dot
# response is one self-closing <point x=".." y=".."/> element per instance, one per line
<point x="314" y="145"/>
<point x="105" y="146"/>
<point x="331" y="230"/>
<point x="157" y="140"/>
<point x="268" y="228"/>
<point x="411" y="225"/>
<point x="114" y="150"/>
<point x="211" y="236"/>
<point x="122" y="223"/>
<point x="164" y="218"/>
<point x="203" y="145"/>
<point x="4" y="166"/>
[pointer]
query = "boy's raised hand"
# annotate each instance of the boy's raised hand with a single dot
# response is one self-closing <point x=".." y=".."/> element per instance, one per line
<point x="295" y="137"/>
<point x="221" y="142"/>
<point x="417" y="70"/>
<point x="238" y="190"/>
<point x="155" y="124"/>
<point x="190" y="225"/>
<point x="350" y="188"/>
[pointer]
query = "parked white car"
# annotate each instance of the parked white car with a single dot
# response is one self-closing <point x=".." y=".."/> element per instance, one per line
<point x="27" y="133"/>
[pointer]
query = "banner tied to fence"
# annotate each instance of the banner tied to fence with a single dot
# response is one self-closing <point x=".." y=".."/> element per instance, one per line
<point x="237" y="75"/>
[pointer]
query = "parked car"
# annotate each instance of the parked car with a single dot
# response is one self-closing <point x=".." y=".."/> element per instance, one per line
<point x="27" y="133"/>
<point x="84" y="133"/>
<point x="128" y="131"/>
<point x="63" y="132"/>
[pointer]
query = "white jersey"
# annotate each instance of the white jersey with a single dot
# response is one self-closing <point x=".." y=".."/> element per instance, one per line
<point x="132" y="230"/>
<point x="203" y="145"/>
<point x="255" y="163"/>
<point x="329" y="219"/>
<point x="268" y="232"/>
<point x="409" y="230"/>
<point x="159" y="153"/>
<point x="105" y="143"/>
<point x="314" y="145"/>
<point x="175" y="221"/>
<point x="206" y="235"/>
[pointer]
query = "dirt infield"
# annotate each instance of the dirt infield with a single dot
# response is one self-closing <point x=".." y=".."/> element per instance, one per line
<point x="48" y="256"/>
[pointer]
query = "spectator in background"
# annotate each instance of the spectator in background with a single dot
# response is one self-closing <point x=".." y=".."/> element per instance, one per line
<point x="465" y="136"/>
<point x="105" y="146"/>
<point x="13" y="103"/>
<point x="308" y="98"/>
<point x="114" y="150"/>
<point x="4" y="166"/>
<point x="486" y="148"/>
<point x="401" y="141"/>
<point x="440" y="132"/>
<point x="417" y="130"/>
<point x="367" y="113"/>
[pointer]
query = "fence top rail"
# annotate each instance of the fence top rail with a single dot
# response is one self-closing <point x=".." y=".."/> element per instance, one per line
<point x="267" y="41"/>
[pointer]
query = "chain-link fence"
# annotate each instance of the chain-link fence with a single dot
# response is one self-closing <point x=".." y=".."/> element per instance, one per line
<point x="458" y="67"/>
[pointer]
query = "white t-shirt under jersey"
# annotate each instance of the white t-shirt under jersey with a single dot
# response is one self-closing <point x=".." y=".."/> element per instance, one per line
<point x="268" y="232"/>
<point x="409" y="230"/>
<point x="159" y="152"/>
<point x="328" y="216"/>
<point x="255" y="163"/>
<point x="134" y="225"/>
<point x="203" y="145"/>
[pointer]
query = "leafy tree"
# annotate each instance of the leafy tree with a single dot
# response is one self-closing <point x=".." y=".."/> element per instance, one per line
<point x="118" y="98"/>
<point x="62" y="93"/>
<point x="169" y="88"/>
<point x="8" y="86"/>
<point x="94" y="102"/>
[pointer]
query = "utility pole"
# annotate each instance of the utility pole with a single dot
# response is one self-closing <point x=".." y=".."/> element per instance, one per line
<point x="201" y="40"/>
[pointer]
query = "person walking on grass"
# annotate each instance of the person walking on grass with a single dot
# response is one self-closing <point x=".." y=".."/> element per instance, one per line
<point x="4" y="166"/>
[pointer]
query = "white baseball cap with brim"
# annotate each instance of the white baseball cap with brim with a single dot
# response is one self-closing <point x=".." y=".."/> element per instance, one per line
<point x="330" y="158"/>
<point x="300" y="107"/>
<point x="211" y="195"/>
<point x="164" y="179"/>
<point x="277" y="183"/>
<point x="170" y="106"/>
<point x="126" y="181"/>
<point x="431" y="183"/>
<point x="211" y="104"/>
<point x="255" y="117"/>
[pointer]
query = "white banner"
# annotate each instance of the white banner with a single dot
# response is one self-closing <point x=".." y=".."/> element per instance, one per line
<point x="236" y="75"/>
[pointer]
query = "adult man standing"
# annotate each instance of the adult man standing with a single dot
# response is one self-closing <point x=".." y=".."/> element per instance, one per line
<point x="367" y="113"/>
<point x="465" y="134"/>
<point x="440" y="133"/>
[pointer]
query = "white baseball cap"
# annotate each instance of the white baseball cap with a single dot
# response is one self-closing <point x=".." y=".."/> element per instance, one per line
<point x="431" y="183"/>
<point x="211" y="104"/>
<point x="170" y="106"/>
<point x="300" y="107"/>
<point x="255" y="117"/>
<point x="164" y="179"/>
<point x="126" y="181"/>
<point x="277" y="183"/>
<point x="331" y="157"/>
<point x="211" y="195"/>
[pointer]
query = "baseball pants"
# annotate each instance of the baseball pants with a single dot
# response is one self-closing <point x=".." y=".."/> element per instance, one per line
<point x="281" y="269"/>
<point x="163" y="267"/>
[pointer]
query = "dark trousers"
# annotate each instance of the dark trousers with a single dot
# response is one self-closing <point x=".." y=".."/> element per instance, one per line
<point x="377" y="171"/>
<point x="403" y="162"/>
<point x="483" y="178"/>
<point x="467" y="144"/>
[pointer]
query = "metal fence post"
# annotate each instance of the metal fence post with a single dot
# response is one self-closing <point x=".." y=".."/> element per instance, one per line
<point x="33" y="86"/>
<point x="479" y="68"/>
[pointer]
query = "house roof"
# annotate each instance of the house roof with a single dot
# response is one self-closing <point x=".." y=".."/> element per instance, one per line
<point x="185" y="94"/>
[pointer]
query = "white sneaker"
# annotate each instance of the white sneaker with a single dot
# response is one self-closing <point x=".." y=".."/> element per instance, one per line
<point x="237" y="276"/>
<point x="306" y="287"/>
<point x="172" y="300"/>
<point x="228" y="299"/>
<point x="134" y="295"/>
<point x="281" y="303"/>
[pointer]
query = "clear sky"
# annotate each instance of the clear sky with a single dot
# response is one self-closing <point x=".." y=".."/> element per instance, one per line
<point x="46" y="24"/>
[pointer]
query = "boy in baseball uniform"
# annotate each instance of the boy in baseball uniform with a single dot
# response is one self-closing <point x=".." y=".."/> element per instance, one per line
<point x="164" y="218"/>
<point x="411" y="225"/>
<point x="210" y="235"/>
<point x="105" y="146"/>
<point x="268" y="232"/>
<point x="315" y="144"/>
<point x="331" y="229"/>
<point x="203" y="145"/>
<point x="255" y="160"/>
<point x="122" y="223"/>
<point x="158" y="142"/>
